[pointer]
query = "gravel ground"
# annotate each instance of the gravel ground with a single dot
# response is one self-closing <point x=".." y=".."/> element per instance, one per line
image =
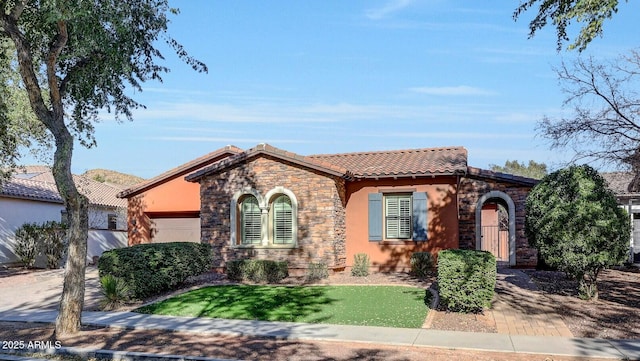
<point x="616" y="313"/>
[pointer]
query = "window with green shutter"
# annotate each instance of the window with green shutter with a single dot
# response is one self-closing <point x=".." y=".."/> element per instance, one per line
<point x="282" y="216"/>
<point x="250" y="216"/>
<point x="398" y="211"/>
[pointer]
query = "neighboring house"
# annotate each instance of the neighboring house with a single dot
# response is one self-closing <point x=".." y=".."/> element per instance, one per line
<point x="268" y="203"/>
<point x="31" y="196"/>
<point x="166" y="208"/>
<point x="619" y="183"/>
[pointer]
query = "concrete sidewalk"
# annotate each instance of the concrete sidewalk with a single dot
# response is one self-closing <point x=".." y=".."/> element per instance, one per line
<point x="563" y="346"/>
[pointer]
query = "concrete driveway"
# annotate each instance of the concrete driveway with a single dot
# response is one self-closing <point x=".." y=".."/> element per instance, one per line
<point x="41" y="289"/>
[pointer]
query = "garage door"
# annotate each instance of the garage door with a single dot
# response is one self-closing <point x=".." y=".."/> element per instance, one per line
<point x="175" y="230"/>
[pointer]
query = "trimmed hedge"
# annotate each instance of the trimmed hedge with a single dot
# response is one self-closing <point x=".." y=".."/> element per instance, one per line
<point x="466" y="279"/>
<point x="257" y="270"/>
<point x="149" y="269"/>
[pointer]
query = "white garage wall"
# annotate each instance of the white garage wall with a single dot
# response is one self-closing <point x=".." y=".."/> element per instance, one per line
<point x="16" y="212"/>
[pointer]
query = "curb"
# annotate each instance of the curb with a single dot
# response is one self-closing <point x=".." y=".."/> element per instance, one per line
<point x="85" y="353"/>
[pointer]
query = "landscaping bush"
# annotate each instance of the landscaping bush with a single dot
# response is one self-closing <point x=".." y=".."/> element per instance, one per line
<point x="53" y="242"/>
<point x="48" y="238"/>
<point x="575" y="223"/>
<point x="115" y="292"/>
<point x="27" y="244"/>
<point x="360" y="265"/>
<point x="257" y="270"/>
<point x="466" y="279"/>
<point x="421" y="264"/>
<point x="317" y="271"/>
<point x="149" y="269"/>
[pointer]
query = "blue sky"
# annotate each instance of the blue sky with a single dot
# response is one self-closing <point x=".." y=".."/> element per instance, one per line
<point x="328" y="76"/>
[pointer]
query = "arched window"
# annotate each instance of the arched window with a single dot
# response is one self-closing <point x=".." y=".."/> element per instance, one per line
<point x="282" y="218"/>
<point x="250" y="220"/>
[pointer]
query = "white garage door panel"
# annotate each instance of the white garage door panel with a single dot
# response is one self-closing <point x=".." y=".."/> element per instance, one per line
<point x="176" y="230"/>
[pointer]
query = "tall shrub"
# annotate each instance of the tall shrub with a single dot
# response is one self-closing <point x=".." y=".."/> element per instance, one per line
<point x="466" y="279"/>
<point x="149" y="269"/>
<point x="574" y="222"/>
<point x="26" y="247"/>
<point x="47" y="238"/>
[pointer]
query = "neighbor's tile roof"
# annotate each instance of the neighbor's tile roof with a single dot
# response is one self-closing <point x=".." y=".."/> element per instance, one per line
<point x="37" y="183"/>
<point x="30" y="189"/>
<point x="401" y="163"/>
<point x="181" y="170"/>
<point x="619" y="183"/>
<point x="381" y="164"/>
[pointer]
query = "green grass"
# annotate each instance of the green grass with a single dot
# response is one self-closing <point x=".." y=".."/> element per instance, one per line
<point x="389" y="306"/>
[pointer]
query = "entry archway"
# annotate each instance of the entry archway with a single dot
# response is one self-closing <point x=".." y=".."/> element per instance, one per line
<point x="511" y="211"/>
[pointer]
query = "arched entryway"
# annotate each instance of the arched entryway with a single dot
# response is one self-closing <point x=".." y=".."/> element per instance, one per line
<point x="497" y="230"/>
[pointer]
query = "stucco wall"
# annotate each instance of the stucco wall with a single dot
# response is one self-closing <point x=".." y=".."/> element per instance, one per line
<point x="321" y="212"/>
<point x="15" y="212"/>
<point x="176" y="196"/>
<point x="470" y="192"/>
<point x="442" y="221"/>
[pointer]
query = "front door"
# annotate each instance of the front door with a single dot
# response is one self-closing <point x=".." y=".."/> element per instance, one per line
<point x="495" y="233"/>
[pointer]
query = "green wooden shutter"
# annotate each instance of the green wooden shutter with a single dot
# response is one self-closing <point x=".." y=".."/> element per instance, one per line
<point x="419" y="216"/>
<point x="375" y="217"/>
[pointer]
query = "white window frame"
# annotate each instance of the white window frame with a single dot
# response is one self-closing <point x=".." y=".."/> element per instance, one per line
<point x="393" y="203"/>
<point x="265" y="204"/>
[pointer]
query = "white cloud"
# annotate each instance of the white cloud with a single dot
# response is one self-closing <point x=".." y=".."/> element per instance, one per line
<point x="390" y="7"/>
<point x="452" y="90"/>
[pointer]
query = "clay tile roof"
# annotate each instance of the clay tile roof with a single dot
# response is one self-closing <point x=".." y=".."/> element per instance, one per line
<point x="181" y="170"/>
<point x="619" y="182"/>
<point x="473" y="172"/>
<point x="37" y="183"/>
<point x="99" y="194"/>
<point x="30" y="189"/>
<point x="401" y="163"/>
<point x="269" y="150"/>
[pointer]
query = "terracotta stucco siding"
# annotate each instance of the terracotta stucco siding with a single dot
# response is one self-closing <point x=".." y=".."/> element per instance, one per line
<point x="394" y="255"/>
<point x="173" y="197"/>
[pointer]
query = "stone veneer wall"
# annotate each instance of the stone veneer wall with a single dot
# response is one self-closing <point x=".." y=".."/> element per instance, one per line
<point x="470" y="192"/>
<point x="321" y="212"/>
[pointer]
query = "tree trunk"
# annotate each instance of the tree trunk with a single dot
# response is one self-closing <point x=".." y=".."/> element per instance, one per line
<point x="72" y="300"/>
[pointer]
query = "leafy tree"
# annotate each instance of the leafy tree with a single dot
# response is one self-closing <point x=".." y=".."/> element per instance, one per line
<point x="75" y="58"/>
<point x="561" y="13"/>
<point x="605" y="122"/>
<point x="532" y="170"/>
<point x="574" y="222"/>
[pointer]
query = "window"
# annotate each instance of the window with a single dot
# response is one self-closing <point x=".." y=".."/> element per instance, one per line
<point x="250" y="221"/>
<point x="252" y="225"/>
<point x="112" y="221"/>
<point x="282" y="217"/>
<point x="397" y="216"/>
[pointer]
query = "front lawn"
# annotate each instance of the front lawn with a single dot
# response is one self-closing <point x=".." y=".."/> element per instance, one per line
<point x="389" y="306"/>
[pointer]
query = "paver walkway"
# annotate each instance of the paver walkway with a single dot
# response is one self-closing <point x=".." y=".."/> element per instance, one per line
<point x="519" y="312"/>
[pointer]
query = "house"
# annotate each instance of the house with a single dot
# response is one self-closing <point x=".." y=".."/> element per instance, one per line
<point x="619" y="182"/>
<point x="269" y="203"/>
<point x="166" y="208"/>
<point x="31" y="195"/>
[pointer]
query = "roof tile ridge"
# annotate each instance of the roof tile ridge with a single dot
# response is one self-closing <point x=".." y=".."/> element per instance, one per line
<point x="392" y="151"/>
